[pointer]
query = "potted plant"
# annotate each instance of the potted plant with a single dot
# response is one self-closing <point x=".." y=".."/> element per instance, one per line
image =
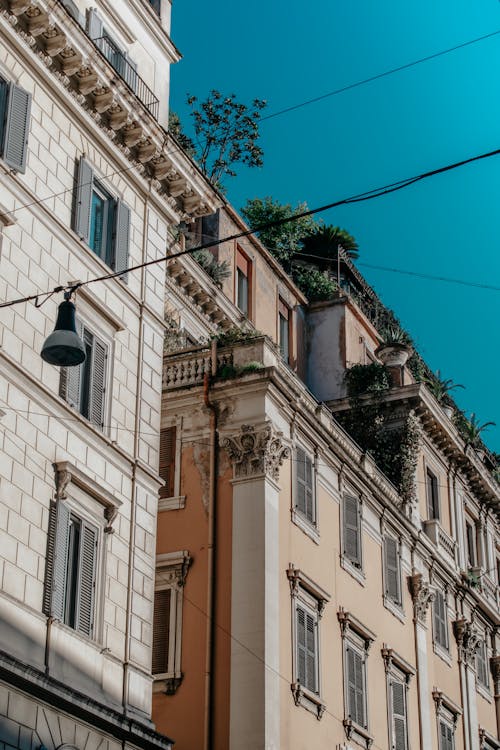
<point x="471" y="432"/>
<point x="440" y="389"/>
<point x="395" y="347"/>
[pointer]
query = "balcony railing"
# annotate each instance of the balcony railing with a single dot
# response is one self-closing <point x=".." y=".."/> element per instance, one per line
<point x="127" y="73"/>
<point x="438" y="535"/>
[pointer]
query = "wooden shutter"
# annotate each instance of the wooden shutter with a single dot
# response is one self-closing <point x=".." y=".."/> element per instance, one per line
<point x="355" y="686"/>
<point x="98" y="383"/>
<point x="352" y="546"/>
<point x="161" y="631"/>
<point x="392" y="568"/>
<point x="60" y="561"/>
<point x="398" y="705"/>
<point x="94" y="24"/>
<point x="440" y="625"/>
<point x="167" y="461"/>
<point x="71" y="378"/>
<point x="122" y="237"/>
<point x="83" y="200"/>
<point x="17" y="125"/>
<point x="86" y="579"/>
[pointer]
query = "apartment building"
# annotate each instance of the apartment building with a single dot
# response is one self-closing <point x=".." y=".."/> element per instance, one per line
<point x="327" y="555"/>
<point x="91" y="184"/>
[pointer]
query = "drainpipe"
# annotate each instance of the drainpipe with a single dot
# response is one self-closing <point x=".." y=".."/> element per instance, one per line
<point x="209" y="743"/>
<point x="128" y="611"/>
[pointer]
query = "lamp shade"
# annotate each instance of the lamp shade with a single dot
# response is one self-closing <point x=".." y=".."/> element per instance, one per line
<point x="64" y="347"/>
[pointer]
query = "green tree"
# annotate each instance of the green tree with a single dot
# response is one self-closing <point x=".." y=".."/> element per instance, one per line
<point x="324" y="242"/>
<point x="175" y="128"/>
<point x="226" y="134"/>
<point x="283" y="241"/>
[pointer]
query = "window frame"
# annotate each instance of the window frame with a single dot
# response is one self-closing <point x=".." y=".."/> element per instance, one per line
<point x="392" y="603"/>
<point x="299" y="516"/>
<point x="398" y="671"/>
<point x="105" y="251"/>
<point x="285" y="314"/>
<point x="433" y="500"/>
<point x="447" y="713"/>
<point x="358" y="639"/>
<point x="483" y="686"/>
<point x="17" y="120"/>
<point x="243" y="271"/>
<point x="171" y="573"/>
<point x="442" y="649"/>
<point x="353" y="566"/>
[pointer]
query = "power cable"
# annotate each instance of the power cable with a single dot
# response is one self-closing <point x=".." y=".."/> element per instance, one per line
<point x="365" y="196"/>
<point x="376" y="77"/>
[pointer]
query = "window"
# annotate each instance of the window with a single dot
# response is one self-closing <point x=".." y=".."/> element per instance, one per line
<point x="482" y="665"/>
<point x="398" y="673"/>
<point x="356" y="641"/>
<point x="446" y="735"/>
<point x="305" y="500"/>
<point x="171" y="572"/>
<point x="432" y="496"/>
<point x="440" y="619"/>
<point x="100" y="220"/>
<point x="167" y="461"/>
<point x="15" y="108"/>
<point x="392" y="569"/>
<point x="243" y="282"/>
<point x="447" y="717"/>
<point x="351" y="527"/>
<point x="470" y="533"/>
<point x="284" y="330"/>
<point x="84" y="386"/>
<point x="308" y="602"/>
<point x="156" y="5"/>
<point x="71" y="568"/>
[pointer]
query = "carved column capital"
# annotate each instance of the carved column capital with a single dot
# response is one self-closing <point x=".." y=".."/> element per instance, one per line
<point x="255" y="451"/>
<point x="495" y="670"/>
<point x="468" y="639"/>
<point x="422" y="596"/>
<point x="62" y="477"/>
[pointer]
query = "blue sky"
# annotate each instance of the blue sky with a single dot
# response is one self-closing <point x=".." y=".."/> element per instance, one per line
<point x="430" y="115"/>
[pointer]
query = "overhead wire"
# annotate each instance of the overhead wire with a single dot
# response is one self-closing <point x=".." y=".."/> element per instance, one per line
<point x="364" y="196"/>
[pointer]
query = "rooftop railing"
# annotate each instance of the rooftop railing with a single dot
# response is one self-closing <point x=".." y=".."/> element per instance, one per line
<point x="127" y="73"/>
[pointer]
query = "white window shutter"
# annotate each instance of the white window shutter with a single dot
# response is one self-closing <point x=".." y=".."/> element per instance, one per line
<point x="94" y="24"/>
<point x="301" y="646"/>
<point x="97" y="392"/>
<point x="83" y="200"/>
<point x="392" y="569"/>
<point x="17" y="125"/>
<point x="300" y="477"/>
<point x="70" y="381"/>
<point x="311" y="659"/>
<point x="59" y="561"/>
<point x="122" y="238"/>
<point x="355" y="686"/>
<point x="440" y="624"/>
<point x="86" y="581"/>
<point x="352" y="520"/>
<point x="398" y="698"/>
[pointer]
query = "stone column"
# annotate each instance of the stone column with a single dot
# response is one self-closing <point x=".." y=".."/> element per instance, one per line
<point x="495" y="669"/>
<point x="422" y="596"/>
<point x="257" y="453"/>
<point x="468" y="640"/>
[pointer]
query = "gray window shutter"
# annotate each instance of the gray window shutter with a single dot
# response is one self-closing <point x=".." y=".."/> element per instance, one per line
<point x="392" y="568"/>
<point x="352" y="529"/>
<point x="398" y="715"/>
<point x="300" y="464"/>
<point x="17" y="125"/>
<point x="60" y="561"/>
<point x="481" y="664"/>
<point x="83" y="200"/>
<point x="97" y="392"/>
<point x="4" y="94"/>
<point x="311" y="658"/>
<point x="94" y="24"/>
<point x="122" y="238"/>
<point x="440" y="625"/>
<point x="86" y="580"/>
<point x="446" y="740"/>
<point x="70" y="382"/>
<point x="161" y="631"/>
<point x="301" y="647"/>
<point x="355" y="686"/>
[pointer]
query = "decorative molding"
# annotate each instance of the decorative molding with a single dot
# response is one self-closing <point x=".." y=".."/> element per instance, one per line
<point x="443" y="702"/>
<point x="172" y="569"/>
<point x="299" y="580"/>
<point x="358" y="734"/>
<point x="171" y="503"/>
<point x="422" y="595"/>
<point x="393" y="659"/>
<point x="495" y="671"/>
<point x="468" y="639"/>
<point x="350" y="623"/>
<point x="66" y="473"/>
<point x="256" y="451"/>
<point x="311" y="701"/>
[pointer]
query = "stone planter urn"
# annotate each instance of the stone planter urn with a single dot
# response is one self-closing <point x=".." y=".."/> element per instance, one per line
<point x="448" y="410"/>
<point x="393" y="355"/>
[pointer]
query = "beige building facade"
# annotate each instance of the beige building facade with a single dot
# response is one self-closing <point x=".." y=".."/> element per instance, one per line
<point x="304" y="596"/>
<point x="91" y="184"/>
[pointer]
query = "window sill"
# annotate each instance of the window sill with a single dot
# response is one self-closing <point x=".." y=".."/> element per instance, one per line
<point x="306" y="526"/>
<point x="171" y="503"/>
<point x="357" y="733"/>
<point x="483" y="691"/>
<point x="167" y="683"/>
<point x="353" y="570"/>
<point x="394" y="608"/>
<point x="442" y="653"/>
<point x="310" y="701"/>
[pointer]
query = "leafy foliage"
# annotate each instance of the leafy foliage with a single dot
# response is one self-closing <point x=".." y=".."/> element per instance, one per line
<point x="175" y="128"/>
<point x="395" y="334"/>
<point x="233" y="336"/>
<point x="324" y="243"/>
<point x="470" y="428"/>
<point x="441" y="387"/>
<point x="372" y="378"/>
<point x="226" y="134"/>
<point x="218" y="271"/>
<point x="315" y="284"/>
<point x="283" y="241"/>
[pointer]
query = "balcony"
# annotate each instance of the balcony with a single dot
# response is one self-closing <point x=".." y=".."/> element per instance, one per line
<point x="444" y="543"/>
<point x="128" y="73"/>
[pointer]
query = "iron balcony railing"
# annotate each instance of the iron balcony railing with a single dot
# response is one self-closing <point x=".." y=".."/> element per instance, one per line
<point x="128" y="73"/>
